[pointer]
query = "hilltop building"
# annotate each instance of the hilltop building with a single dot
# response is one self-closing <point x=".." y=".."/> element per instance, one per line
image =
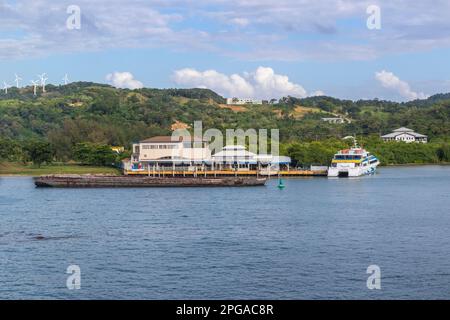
<point x="405" y="135"/>
<point x="334" y="120"/>
<point x="239" y="101"/>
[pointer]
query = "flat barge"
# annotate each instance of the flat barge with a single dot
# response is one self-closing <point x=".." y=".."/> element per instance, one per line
<point x="104" y="181"/>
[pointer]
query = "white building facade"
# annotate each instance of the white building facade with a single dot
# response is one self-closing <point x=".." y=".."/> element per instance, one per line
<point x="168" y="151"/>
<point x="334" y="120"/>
<point x="405" y="135"/>
<point x="191" y="154"/>
<point x="239" y="101"/>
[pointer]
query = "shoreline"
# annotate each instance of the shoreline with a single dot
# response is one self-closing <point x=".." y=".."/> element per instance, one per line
<point x="109" y="171"/>
<point x="415" y="164"/>
<point x="11" y="169"/>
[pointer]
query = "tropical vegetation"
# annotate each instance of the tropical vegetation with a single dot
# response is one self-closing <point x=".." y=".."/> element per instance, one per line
<point x="79" y="122"/>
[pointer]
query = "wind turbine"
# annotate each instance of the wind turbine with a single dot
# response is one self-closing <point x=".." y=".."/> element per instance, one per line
<point x="66" y="79"/>
<point x="17" y="80"/>
<point x="35" y="84"/>
<point x="43" y="79"/>
<point x="5" y="87"/>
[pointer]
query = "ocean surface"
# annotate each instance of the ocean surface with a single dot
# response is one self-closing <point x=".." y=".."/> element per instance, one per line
<point x="313" y="240"/>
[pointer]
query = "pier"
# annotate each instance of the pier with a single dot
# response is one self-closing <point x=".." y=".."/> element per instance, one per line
<point x="186" y="156"/>
<point x="224" y="173"/>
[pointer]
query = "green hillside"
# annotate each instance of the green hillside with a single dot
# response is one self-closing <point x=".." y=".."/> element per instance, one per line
<point x="85" y="112"/>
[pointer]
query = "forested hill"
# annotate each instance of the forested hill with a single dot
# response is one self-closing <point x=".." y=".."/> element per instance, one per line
<point x="90" y="112"/>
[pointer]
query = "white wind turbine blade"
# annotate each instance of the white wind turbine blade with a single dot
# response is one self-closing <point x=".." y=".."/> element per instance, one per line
<point x="6" y="86"/>
<point x="66" y="79"/>
<point x="17" y="80"/>
<point x="42" y="76"/>
<point x="35" y="84"/>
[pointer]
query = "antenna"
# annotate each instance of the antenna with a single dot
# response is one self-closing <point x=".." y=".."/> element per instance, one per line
<point x="35" y="84"/>
<point x="43" y="79"/>
<point x="66" y="79"/>
<point x="17" y="80"/>
<point x="5" y="87"/>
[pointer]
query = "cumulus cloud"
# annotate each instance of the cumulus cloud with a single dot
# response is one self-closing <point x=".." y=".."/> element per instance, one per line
<point x="123" y="80"/>
<point x="391" y="81"/>
<point x="262" y="83"/>
<point x="211" y="79"/>
<point x="275" y="85"/>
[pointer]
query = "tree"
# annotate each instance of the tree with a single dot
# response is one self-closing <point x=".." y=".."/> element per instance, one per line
<point x="38" y="152"/>
<point x="10" y="150"/>
<point x="94" y="154"/>
<point x="443" y="152"/>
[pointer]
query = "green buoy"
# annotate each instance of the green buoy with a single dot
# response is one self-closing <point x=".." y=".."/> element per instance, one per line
<point x="281" y="185"/>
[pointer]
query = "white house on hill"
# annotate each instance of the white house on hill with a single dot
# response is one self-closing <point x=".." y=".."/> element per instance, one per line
<point x="334" y="120"/>
<point x="239" y="101"/>
<point x="405" y="135"/>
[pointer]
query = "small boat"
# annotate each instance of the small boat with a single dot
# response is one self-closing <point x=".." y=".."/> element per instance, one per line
<point x="105" y="181"/>
<point x="353" y="162"/>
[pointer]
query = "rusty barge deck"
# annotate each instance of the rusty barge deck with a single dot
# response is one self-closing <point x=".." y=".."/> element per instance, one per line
<point x="103" y="181"/>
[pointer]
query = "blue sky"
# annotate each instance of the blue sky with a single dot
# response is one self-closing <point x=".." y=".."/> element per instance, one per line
<point x="251" y="48"/>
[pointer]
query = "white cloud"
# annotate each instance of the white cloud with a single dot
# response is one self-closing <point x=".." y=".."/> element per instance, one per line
<point x="275" y="85"/>
<point x="240" y="22"/>
<point x="123" y="80"/>
<point x="262" y="83"/>
<point x="234" y="85"/>
<point x="266" y="29"/>
<point x="391" y="81"/>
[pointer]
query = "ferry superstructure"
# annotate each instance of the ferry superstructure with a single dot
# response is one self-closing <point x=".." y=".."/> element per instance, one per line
<point x="353" y="162"/>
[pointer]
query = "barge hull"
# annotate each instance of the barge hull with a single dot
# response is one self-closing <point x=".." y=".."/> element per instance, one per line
<point x="79" y="181"/>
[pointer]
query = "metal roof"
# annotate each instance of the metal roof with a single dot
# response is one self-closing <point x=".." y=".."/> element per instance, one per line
<point x="395" y="134"/>
<point x="403" y="129"/>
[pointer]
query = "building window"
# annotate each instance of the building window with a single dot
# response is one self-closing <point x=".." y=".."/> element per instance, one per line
<point x="159" y="146"/>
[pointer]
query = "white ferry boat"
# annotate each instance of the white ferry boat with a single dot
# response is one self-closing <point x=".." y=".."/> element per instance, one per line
<point x="353" y="162"/>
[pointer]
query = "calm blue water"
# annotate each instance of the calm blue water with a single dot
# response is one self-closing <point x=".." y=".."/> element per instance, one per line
<point x="315" y="239"/>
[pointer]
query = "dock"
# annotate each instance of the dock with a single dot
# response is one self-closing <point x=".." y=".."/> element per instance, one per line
<point x="225" y="173"/>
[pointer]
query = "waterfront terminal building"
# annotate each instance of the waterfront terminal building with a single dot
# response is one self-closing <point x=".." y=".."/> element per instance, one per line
<point x="191" y="155"/>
